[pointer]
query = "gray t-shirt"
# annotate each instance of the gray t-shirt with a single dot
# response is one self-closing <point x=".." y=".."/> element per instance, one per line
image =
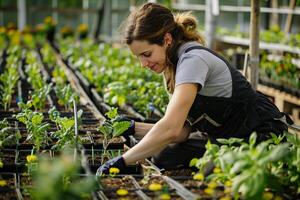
<point x="202" y="67"/>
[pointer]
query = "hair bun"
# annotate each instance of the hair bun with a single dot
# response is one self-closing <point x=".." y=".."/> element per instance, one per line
<point x="186" y="20"/>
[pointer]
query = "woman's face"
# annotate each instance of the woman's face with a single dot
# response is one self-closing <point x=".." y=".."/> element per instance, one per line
<point x="151" y="56"/>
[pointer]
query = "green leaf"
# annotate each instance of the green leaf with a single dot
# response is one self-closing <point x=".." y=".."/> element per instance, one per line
<point x="252" y="139"/>
<point x="37" y="118"/>
<point x="193" y="162"/>
<point x="120" y="127"/>
<point x="112" y="113"/>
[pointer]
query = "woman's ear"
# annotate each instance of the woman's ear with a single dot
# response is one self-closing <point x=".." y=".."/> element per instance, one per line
<point x="168" y="39"/>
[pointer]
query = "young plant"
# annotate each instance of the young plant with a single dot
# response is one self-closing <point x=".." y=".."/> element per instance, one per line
<point x="247" y="165"/>
<point x="8" y="81"/>
<point x="8" y="135"/>
<point x="37" y="129"/>
<point x="39" y="96"/>
<point x="65" y="129"/>
<point x="112" y="128"/>
<point x="66" y="95"/>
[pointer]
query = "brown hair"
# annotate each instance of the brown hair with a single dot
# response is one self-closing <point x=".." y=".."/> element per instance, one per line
<point x="151" y="22"/>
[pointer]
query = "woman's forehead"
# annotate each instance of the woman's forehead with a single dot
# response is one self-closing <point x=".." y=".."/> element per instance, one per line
<point x="140" y="46"/>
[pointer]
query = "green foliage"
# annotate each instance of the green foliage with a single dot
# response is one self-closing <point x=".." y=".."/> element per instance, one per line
<point x="39" y="96"/>
<point x="8" y="135"/>
<point x="254" y="167"/>
<point x="8" y="81"/>
<point x="117" y="76"/>
<point x="58" y="179"/>
<point x="66" y="95"/>
<point x="112" y="128"/>
<point x="65" y="129"/>
<point x="37" y="129"/>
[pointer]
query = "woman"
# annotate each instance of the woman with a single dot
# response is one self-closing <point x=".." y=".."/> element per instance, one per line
<point x="207" y="94"/>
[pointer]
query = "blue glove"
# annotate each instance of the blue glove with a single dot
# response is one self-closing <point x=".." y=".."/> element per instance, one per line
<point x="117" y="162"/>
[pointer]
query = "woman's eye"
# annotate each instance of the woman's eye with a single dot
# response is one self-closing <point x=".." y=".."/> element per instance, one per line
<point x="147" y="54"/>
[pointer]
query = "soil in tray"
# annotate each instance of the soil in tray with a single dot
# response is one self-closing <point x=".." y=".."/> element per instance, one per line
<point x="95" y="161"/>
<point x="9" y="194"/>
<point x="112" y="195"/>
<point x="25" y="180"/>
<point x="178" y="172"/>
<point x="154" y="194"/>
<point x="10" y="179"/>
<point x="8" y="191"/>
<point x="22" y="154"/>
<point x="8" y="159"/>
<point x="198" y="187"/>
<point x="111" y="183"/>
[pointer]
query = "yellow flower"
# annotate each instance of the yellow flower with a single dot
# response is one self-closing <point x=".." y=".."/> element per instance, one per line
<point x="212" y="185"/>
<point x="3" y="183"/>
<point x="1" y="164"/>
<point x="122" y="192"/>
<point x="278" y="198"/>
<point x="82" y="28"/>
<point x="209" y="191"/>
<point x="164" y="196"/>
<point x="228" y="183"/>
<point x="2" y="29"/>
<point x="225" y="198"/>
<point x="31" y="158"/>
<point x="198" y="177"/>
<point x="114" y="170"/>
<point x="217" y="170"/>
<point x="49" y="20"/>
<point x="155" y="187"/>
<point x="268" y="195"/>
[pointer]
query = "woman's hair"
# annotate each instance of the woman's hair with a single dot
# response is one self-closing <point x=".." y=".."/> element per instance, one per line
<point x="151" y="22"/>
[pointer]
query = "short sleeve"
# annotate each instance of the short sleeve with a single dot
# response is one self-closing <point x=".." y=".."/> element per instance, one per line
<point x="191" y="69"/>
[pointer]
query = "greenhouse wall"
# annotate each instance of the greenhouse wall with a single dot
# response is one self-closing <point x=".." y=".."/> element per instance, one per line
<point x="70" y="13"/>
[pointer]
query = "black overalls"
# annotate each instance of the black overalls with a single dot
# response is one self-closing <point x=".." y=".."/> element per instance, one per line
<point x="240" y="115"/>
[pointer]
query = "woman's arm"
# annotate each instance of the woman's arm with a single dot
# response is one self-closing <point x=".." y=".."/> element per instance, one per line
<point x="167" y="130"/>
<point x="141" y="129"/>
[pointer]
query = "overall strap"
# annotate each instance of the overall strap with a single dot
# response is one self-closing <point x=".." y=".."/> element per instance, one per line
<point x="233" y="96"/>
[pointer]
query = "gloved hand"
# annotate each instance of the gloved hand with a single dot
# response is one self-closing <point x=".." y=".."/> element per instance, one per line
<point x="117" y="162"/>
<point x="130" y="130"/>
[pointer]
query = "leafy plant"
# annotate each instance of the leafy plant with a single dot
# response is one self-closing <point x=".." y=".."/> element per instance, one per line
<point x="37" y="129"/>
<point x="66" y="96"/>
<point x="249" y="166"/>
<point x="8" y="135"/>
<point x="112" y="128"/>
<point x="8" y="81"/>
<point x="39" y="96"/>
<point x="65" y="129"/>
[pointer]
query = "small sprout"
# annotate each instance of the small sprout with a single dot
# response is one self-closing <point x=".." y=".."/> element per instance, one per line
<point x="209" y="191"/>
<point x="228" y="183"/>
<point x="198" y="177"/>
<point x="31" y="158"/>
<point x="268" y="195"/>
<point x="113" y="171"/>
<point x="212" y="185"/>
<point x="155" y="187"/>
<point x="1" y="164"/>
<point x="164" y="196"/>
<point x="3" y="183"/>
<point x="122" y="192"/>
<point x="217" y="170"/>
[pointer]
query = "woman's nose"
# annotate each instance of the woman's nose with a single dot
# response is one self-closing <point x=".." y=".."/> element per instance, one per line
<point x="144" y="62"/>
